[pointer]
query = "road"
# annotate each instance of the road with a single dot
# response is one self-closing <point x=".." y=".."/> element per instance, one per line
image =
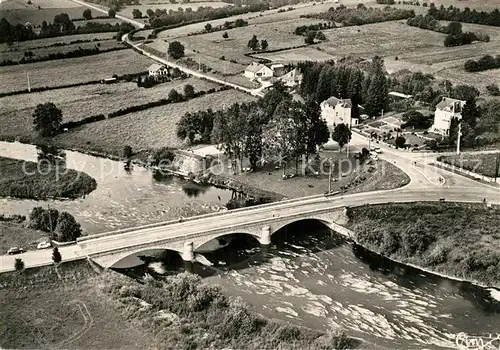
<point x="195" y="73"/>
<point x="125" y="19"/>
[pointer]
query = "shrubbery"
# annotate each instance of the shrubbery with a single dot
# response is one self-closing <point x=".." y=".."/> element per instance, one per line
<point x="200" y="316"/>
<point x="466" y="15"/>
<point x="62" y="226"/>
<point x="484" y="63"/>
<point x="362" y="15"/>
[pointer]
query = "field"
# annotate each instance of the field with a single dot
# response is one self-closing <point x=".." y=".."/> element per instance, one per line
<point x="73" y="70"/>
<point x="460" y="240"/>
<point x="297" y="55"/>
<point x="484" y="164"/>
<point x="46" y="312"/>
<point x="83" y="101"/>
<point x="151" y="128"/>
<point x="144" y="6"/>
<point x="18" y="11"/>
<point x="17" y="235"/>
<point x="16" y="55"/>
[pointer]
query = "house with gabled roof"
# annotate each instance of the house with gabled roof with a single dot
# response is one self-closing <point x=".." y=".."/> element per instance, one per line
<point x="157" y="70"/>
<point x="258" y="70"/>
<point x="447" y="109"/>
<point x="338" y="111"/>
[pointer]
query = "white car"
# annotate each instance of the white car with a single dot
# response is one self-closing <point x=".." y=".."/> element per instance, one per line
<point x="43" y="245"/>
<point x="378" y="150"/>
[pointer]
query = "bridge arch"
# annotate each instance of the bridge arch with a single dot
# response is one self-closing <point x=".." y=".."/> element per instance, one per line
<point x="130" y="258"/>
<point x="201" y="242"/>
<point x="284" y="224"/>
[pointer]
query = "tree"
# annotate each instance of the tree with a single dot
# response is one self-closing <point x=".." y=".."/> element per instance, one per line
<point x="377" y="94"/>
<point x="400" y="141"/>
<point x="174" y="96"/>
<point x="87" y="14"/>
<point x="309" y="39"/>
<point x="19" y="264"/>
<point x="68" y="229"/>
<point x="189" y="91"/>
<point x="208" y="27"/>
<point x="454" y="28"/>
<point x="341" y="134"/>
<point x="320" y="36"/>
<point x="318" y="133"/>
<point x="163" y="156"/>
<point x="470" y="113"/>
<point x="150" y="13"/>
<point x="253" y="43"/>
<point x="47" y="119"/>
<point x="136" y="13"/>
<point x="188" y="126"/>
<point x="175" y="50"/>
<point x="225" y="35"/>
<point x="56" y="256"/>
<point x="112" y="13"/>
<point x="263" y="44"/>
<point x="43" y="219"/>
<point x="127" y="152"/>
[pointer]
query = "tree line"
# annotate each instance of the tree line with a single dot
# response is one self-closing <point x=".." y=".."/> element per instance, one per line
<point x="361" y="15"/>
<point x="203" y="14"/>
<point x="484" y="63"/>
<point x="455" y="37"/>
<point x="466" y="15"/>
<point x="62" y="25"/>
<point x="325" y="79"/>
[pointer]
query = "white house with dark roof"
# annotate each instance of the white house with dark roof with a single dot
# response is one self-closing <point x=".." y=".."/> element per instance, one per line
<point x="446" y="110"/>
<point x="258" y="70"/>
<point x="338" y="111"/>
<point x="157" y="70"/>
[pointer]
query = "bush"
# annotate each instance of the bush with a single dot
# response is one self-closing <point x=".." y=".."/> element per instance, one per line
<point x="19" y="264"/>
<point x="493" y="90"/>
<point x="43" y="219"/>
<point x="68" y="230"/>
<point x="484" y="63"/>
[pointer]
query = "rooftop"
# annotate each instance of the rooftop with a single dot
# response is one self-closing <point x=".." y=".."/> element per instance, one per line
<point x="155" y="67"/>
<point x="254" y="67"/>
<point x="448" y="102"/>
<point x="333" y="101"/>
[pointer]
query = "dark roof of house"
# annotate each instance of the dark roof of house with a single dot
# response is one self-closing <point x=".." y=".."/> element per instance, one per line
<point x="333" y="101"/>
<point x="448" y="102"/>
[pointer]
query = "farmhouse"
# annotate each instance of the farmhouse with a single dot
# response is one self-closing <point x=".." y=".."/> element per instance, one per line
<point x="278" y="69"/>
<point x="156" y="70"/>
<point x="446" y="110"/>
<point x="338" y="111"/>
<point x="258" y="70"/>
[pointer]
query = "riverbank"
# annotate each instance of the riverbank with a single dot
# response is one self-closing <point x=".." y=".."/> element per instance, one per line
<point x="74" y="307"/>
<point x="457" y="240"/>
<point x="30" y="180"/>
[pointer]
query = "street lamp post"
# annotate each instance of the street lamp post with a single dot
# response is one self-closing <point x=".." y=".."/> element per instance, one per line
<point x="330" y="176"/>
<point x="458" y="136"/>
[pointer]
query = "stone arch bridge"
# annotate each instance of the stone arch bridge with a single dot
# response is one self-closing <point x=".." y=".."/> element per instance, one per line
<point x="185" y="237"/>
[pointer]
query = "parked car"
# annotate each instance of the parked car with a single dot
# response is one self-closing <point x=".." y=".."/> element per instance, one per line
<point x="15" y="250"/>
<point x="378" y="150"/>
<point x="43" y="245"/>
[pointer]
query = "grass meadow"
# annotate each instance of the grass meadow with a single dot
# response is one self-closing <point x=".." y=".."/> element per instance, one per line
<point x="19" y="11"/>
<point x="151" y="128"/>
<point x="83" y="101"/>
<point x="73" y="70"/>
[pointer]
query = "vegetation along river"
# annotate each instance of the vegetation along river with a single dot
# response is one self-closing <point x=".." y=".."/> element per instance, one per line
<point x="308" y="276"/>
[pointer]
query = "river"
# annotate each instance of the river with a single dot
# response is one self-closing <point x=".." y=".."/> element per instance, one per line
<point x="122" y="198"/>
<point x="308" y="276"/>
<point x="312" y="277"/>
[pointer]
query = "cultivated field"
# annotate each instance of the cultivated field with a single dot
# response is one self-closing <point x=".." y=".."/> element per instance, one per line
<point x="73" y="70"/>
<point x="151" y="128"/>
<point x="297" y="55"/>
<point x="16" y="55"/>
<point x="83" y="101"/>
<point x="18" y="11"/>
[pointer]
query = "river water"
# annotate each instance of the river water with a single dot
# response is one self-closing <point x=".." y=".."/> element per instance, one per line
<point x="308" y="276"/>
<point x="122" y="198"/>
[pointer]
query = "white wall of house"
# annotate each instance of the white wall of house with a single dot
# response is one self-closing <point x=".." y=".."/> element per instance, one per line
<point x="337" y="115"/>
<point x="443" y="117"/>
<point x="264" y="72"/>
<point x="158" y="72"/>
